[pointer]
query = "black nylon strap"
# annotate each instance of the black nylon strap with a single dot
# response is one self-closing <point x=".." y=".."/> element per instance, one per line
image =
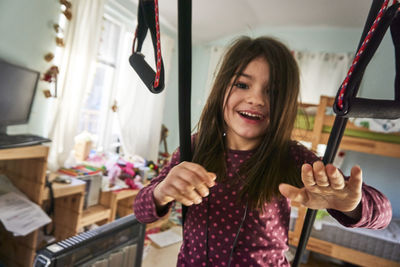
<point x="141" y="30"/>
<point x="50" y="209"/>
<point x="146" y="21"/>
<point x="373" y="12"/>
<point x="395" y="32"/>
<point x="185" y="81"/>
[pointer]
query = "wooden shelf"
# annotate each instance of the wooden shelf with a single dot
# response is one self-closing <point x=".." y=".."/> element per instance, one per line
<point x="94" y="214"/>
<point x="24" y="152"/>
<point x="126" y="194"/>
<point x="26" y="169"/>
<point x="119" y="201"/>
<point x="61" y="190"/>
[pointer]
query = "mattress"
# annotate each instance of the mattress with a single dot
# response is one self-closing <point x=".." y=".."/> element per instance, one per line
<point x="383" y="243"/>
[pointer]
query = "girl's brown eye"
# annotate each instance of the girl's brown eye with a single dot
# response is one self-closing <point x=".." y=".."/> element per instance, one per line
<point x="241" y="85"/>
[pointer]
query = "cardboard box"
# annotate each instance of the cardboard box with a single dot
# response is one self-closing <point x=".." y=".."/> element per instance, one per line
<point x="93" y="188"/>
<point x="82" y="150"/>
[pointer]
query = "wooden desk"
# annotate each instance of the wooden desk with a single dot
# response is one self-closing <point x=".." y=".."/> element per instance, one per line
<point x="69" y="216"/>
<point x="120" y="202"/>
<point x="68" y="204"/>
<point x="61" y="190"/>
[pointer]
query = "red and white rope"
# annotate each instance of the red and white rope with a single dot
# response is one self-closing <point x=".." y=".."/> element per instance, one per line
<point x="343" y="87"/>
<point x="158" y="64"/>
<point x="158" y="72"/>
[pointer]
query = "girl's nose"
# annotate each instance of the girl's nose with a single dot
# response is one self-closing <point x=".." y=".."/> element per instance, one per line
<point x="256" y="97"/>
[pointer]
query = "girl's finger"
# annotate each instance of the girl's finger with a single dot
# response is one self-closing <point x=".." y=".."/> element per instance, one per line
<point x="307" y="175"/>
<point x="355" y="181"/>
<point x="186" y="190"/>
<point x="206" y="177"/>
<point x="184" y="201"/>
<point x="192" y="178"/>
<point x="320" y="175"/>
<point x="336" y="179"/>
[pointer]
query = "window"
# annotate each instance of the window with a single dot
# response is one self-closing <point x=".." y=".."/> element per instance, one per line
<point x="97" y="112"/>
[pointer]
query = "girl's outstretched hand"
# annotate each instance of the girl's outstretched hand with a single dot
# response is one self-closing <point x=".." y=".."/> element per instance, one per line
<point x="186" y="182"/>
<point x="326" y="188"/>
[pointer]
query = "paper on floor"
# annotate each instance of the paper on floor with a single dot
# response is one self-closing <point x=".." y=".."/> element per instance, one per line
<point x="21" y="216"/>
<point x="165" y="238"/>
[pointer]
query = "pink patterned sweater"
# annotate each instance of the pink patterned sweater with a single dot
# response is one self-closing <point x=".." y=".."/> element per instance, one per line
<point x="263" y="238"/>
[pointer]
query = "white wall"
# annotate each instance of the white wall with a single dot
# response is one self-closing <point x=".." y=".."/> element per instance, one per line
<point x="26" y="36"/>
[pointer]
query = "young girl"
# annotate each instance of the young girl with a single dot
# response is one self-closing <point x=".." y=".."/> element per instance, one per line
<point x="246" y="169"/>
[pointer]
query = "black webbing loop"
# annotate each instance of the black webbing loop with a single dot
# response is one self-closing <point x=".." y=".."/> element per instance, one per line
<point x="185" y="81"/>
<point x="370" y="108"/>
<point x="50" y="208"/>
<point x="395" y="32"/>
<point x="373" y="12"/>
<point x="154" y="80"/>
<point x="358" y="106"/>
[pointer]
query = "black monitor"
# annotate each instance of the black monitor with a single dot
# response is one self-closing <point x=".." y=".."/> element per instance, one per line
<point x="17" y="91"/>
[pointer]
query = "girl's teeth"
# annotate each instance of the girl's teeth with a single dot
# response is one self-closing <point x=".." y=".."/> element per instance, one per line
<point x="250" y="115"/>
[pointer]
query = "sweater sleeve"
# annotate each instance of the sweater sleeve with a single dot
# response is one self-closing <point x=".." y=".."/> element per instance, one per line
<point x="376" y="211"/>
<point x="376" y="208"/>
<point x="144" y="206"/>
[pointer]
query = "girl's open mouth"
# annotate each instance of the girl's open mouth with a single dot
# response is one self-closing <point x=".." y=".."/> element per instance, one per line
<point x="251" y="116"/>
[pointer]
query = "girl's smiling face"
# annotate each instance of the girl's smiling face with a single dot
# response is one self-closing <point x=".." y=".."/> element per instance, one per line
<point x="246" y="106"/>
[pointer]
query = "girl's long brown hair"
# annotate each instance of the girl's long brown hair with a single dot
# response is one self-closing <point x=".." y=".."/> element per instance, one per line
<point x="270" y="164"/>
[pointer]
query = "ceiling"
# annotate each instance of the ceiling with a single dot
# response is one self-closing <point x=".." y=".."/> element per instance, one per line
<point x="214" y="19"/>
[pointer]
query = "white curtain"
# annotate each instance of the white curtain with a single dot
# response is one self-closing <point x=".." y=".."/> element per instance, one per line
<point x="321" y="73"/>
<point x="76" y="75"/>
<point x="216" y="53"/>
<point x="140" y="112"/>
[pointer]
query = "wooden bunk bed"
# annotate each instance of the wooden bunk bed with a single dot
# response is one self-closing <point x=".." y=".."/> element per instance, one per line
<point x="315" y="129"/>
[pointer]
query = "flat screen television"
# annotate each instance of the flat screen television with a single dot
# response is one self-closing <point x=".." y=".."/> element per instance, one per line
<point x="17" y="91"/>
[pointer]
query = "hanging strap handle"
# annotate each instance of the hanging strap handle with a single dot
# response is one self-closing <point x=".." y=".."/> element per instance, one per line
<point x="346" y="103"/>
<point x="148" y="20"/>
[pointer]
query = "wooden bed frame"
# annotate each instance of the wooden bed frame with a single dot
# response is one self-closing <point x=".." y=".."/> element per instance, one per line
<point x="317" y="136"/>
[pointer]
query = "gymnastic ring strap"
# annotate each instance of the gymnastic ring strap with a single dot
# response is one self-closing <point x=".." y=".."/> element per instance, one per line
<point x="148" y="20"/>
<point x="346" y="102"/>
<point x="335" y="137"/>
